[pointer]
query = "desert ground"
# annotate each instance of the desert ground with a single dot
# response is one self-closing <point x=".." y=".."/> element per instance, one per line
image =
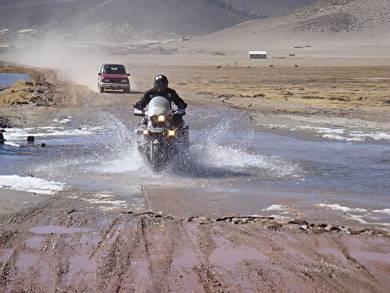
<point x="81" y="240"/>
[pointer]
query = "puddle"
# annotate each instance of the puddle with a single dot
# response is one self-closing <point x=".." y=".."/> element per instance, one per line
<point x="229" y="257"/>
<point x="26" y="260"/>
<point x="142" y="269"/>
<point x="371" y="256"/>
<point x="82" y="263"/>
<point x="6" y="253"/>
<point x="187" y="260"/>
<point x="58" y="230"/>
<point x="34" y="242"/>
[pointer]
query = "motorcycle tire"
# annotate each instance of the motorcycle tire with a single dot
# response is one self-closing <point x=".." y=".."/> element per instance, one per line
<point x="156" y="157"/>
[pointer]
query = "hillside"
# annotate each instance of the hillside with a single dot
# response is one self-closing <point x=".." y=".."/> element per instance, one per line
<point x="194" y="17"/>
<point x="130" y="17"/>
<point x="344" y="16"/>
<point x="337" y="23"/>
<point x="268" y="8"/>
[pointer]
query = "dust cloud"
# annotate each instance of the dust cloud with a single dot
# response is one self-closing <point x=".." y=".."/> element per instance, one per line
<point x="78" y="64"/>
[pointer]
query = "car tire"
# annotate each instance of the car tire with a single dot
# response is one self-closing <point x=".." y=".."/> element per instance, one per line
<point x="127" y="90"/>
<point x="102" y="89"/>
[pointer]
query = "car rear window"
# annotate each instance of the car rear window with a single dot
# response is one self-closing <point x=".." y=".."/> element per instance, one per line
<point x="114" y="69"/>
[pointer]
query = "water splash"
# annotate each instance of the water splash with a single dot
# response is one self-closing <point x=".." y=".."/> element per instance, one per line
<point x="223" y="147"/>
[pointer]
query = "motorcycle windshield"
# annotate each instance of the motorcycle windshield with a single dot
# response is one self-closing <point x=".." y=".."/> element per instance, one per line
<point x="159" y="106"/>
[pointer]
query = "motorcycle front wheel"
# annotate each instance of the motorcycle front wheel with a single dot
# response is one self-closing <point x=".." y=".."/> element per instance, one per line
<point x="157" y="157"/>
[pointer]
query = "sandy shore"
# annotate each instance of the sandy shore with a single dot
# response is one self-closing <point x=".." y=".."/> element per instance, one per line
<point x="68" y="242"/>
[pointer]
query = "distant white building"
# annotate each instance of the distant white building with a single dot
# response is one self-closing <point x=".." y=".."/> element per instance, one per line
<point x="257" y="54"/>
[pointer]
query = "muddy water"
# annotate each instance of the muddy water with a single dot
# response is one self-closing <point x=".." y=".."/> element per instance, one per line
<point x="233" y="169"/>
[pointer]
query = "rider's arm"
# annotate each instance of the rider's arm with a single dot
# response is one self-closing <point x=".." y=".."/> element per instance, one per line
<point x="179" y="102"/>
<point x="143" y="102"/>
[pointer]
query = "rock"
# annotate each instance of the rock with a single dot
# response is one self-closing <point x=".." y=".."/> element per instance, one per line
<point x="203" y="220"/>
<point x="258" y="96"/>
<point x="2" y="139"/>
<point x="30" y="139"/>
<point x="304" y="227"/>
<point x="328" y="228"/>
<point x="236" y="221"/>
<point x="299" y="222"/>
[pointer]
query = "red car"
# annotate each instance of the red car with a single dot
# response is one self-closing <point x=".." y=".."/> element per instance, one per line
<point x="113" y="77"/>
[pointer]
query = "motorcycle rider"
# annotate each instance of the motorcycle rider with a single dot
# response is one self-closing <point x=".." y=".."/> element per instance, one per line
<point x="160" y="88"/>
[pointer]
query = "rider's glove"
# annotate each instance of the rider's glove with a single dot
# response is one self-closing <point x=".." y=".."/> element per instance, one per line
<point x="180" y="112"/>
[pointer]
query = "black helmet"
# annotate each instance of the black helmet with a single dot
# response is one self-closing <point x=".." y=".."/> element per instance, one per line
<point x="160" y="82"/>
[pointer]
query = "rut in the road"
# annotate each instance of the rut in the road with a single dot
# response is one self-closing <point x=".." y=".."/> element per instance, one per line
<point x="150" y="252"/>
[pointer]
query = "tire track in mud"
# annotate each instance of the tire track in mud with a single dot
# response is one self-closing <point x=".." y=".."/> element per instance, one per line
<point x="354" y="262"/>
<point x="151" y="252"/>
<point x="115" y="259"/>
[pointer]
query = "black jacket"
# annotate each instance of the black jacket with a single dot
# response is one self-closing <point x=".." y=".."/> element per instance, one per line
<point x="169" y="93"/>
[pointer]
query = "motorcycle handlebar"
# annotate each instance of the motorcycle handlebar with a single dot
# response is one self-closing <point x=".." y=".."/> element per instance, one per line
<point x="138" y="112"/>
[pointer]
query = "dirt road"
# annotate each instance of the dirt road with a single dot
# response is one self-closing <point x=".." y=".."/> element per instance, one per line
<point x="64" y="244"/>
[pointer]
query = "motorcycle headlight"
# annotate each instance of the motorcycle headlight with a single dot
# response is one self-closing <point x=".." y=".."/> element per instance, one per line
<point x="161" y="118"/>
<point x="172" y="133"/>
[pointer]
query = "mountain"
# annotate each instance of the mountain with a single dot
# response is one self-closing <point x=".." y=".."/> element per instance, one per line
<point x="267" y="8"/>
<point x="325" y="22"/>
<point x="118" y="17"/>
<point x="344" y="16"/>
<point x="193" y="17"/>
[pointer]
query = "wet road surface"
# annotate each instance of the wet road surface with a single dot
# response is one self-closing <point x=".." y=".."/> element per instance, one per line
<point x="233" y="169"/>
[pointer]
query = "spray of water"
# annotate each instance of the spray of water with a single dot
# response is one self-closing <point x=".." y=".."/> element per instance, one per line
<point x="111" y="151"/>
<point x="214" y="153"/>
<point x="219" y="152"/>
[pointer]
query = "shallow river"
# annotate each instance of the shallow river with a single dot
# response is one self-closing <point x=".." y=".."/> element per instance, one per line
<point x="233" y="168"/>
<point x="7" y="79"/>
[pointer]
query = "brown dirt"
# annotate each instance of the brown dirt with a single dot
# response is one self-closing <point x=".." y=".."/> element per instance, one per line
<point x="62" y="244"/>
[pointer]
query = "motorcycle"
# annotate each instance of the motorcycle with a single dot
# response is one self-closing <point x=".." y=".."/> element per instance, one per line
<point x="161" y="136"/>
